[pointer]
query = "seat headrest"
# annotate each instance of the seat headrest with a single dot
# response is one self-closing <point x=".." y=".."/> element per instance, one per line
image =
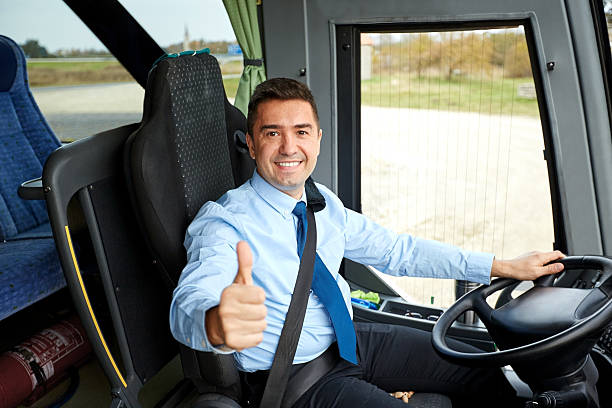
<point x="10" y="57"/>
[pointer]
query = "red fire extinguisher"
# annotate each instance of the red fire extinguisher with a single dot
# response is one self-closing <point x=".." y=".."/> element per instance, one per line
<point x="28" y="370"/>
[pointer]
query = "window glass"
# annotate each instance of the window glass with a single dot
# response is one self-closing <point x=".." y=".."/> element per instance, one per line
<point x="183" y="25"/>
<point x="79" y="86"/>
<point x="451" y="145"/>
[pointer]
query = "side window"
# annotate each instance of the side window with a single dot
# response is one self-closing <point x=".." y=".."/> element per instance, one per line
<point x="452" y="144"/>
<point x="80" y="86"/>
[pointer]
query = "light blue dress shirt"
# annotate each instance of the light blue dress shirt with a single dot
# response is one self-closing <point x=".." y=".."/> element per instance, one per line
<point x="262" y="215"/>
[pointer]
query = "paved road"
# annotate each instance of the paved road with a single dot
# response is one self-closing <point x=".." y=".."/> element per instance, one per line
<point x="79" y="111"/>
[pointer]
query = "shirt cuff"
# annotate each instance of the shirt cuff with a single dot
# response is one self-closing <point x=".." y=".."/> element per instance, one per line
<point x="479" y="267"/>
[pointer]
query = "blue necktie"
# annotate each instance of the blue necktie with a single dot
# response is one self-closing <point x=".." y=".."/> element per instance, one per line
<point x="326" y="288"/>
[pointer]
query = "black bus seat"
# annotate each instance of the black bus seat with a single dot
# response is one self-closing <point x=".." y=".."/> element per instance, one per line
<point x="190" y="148"/>
<point x="29" y="266"/>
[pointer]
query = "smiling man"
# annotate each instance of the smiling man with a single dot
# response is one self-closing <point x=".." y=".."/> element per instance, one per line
<point x="285" y="141"/>
<point x="243" y="258"/>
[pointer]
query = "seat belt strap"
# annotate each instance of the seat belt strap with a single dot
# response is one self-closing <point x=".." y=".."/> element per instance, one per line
<point x="290" y="334"/>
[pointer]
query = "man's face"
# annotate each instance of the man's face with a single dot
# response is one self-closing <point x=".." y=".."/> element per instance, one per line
<point x="285" y="143"/>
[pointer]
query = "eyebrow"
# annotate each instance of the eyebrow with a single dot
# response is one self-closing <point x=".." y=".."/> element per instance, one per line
<point x="298" y="126"/>
<point x="303" y="125"/>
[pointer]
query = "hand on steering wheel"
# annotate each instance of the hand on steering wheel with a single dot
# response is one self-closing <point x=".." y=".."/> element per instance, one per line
<point x="546" y="318"/>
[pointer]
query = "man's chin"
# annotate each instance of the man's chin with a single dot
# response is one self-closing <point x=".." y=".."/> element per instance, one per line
<point x="284" y="187"/>
<point x="290" y="188"/>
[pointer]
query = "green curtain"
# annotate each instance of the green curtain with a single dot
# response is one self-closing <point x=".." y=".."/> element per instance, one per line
<point x="243" y="16"/>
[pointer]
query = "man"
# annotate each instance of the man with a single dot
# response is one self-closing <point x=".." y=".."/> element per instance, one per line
<point x="234" y="293"/>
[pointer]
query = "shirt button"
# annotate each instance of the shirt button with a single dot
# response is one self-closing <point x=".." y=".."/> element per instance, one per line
<point x="188" y="340"/>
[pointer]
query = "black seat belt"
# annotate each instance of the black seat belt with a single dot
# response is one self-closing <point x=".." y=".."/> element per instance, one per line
<point x="287" y="344"/>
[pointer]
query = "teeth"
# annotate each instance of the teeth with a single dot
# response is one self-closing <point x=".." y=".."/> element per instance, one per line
<point x="288" y="164"/>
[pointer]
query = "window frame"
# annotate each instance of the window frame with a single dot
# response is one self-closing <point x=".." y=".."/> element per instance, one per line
<point x="349" y="103"/>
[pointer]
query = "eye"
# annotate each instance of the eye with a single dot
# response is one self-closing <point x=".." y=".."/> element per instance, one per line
<point x="272" y="133"/>
<point x="302" y="132"/>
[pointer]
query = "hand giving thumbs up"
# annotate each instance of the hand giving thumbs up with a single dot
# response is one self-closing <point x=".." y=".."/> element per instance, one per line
<point x="238" y="321"/>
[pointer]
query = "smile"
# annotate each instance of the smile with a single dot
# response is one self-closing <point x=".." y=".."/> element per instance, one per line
<point x="288" y="164"/>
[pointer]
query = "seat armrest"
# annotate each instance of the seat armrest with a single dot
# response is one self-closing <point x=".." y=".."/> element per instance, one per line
<point x="31" y="190"/>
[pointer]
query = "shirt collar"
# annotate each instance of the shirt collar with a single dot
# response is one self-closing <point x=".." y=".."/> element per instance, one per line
<point x="281" y="202"/>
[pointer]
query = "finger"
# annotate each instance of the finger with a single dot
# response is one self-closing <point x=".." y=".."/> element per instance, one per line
<point x="546" y="257"/>
<point x="242" y="342"/>
<point x="553" y="268"/>
<point x="249" y="312"/>
<point x="244" y="327"/>
<point x="239" y="293"/>
<point x="245" y="264"/>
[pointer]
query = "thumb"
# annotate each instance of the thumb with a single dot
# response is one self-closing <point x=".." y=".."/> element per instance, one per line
<point x="245" y="264"/>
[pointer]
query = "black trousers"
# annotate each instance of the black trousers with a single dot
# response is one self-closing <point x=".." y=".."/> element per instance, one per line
<point x="397" y="358"/>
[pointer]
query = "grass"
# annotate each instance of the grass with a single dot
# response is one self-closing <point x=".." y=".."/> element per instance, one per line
<point x="231" y="86"/>
<point x="72" y="66"/>
<point x="48" y="73"/>
<point x="494" y="96"/>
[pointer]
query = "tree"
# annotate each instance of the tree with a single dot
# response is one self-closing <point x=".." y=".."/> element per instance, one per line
<point x="33" y="49"/>
<point x="517" y="63"/>
<point x="465" y="52"/>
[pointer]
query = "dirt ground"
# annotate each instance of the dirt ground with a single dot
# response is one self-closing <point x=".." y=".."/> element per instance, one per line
<point x="474" y="180"/>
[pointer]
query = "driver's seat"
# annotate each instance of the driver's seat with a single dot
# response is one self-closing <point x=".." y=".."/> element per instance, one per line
<point x="190" y="148"/>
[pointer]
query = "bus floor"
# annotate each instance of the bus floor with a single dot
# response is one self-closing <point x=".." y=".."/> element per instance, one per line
<point x="94" y="389"/>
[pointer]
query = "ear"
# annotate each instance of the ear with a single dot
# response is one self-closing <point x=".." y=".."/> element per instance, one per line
<point x="249" y="140"/>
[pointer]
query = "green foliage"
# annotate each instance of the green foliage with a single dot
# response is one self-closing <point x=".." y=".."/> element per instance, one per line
<point x="453" y="53"/>
<point x="33" y="49"/>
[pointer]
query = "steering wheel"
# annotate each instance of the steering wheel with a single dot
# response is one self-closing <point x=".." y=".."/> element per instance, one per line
<point x="541" y="321"/>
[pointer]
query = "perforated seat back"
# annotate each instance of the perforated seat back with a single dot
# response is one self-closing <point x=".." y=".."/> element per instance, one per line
<point x="26" y="140"/>
<point x="189" y="149"/>
<point x="183" y="153"/>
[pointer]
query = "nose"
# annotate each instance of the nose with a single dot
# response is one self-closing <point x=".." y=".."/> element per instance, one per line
<point x="288" y="145"/>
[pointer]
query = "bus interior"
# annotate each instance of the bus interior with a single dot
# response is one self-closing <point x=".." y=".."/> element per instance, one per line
<point x="484" y="124"/>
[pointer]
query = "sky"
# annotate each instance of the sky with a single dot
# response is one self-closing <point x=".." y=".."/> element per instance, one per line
<point x="55" y="26"/>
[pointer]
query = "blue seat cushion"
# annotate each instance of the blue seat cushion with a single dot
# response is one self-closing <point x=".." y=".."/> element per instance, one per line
<point x="29" y="271"/>
<point x="26" y="140"/>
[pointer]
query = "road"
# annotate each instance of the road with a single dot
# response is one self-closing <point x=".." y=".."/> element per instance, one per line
<point x="79" y="111"/>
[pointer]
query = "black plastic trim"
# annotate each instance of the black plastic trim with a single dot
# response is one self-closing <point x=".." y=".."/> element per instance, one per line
<point x="600" y="25"/>
<point x="31" y="190"/>
<point x="349" y="116"/>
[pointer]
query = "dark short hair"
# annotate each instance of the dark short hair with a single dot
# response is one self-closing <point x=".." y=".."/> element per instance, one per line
<point x="282" y="89"/>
